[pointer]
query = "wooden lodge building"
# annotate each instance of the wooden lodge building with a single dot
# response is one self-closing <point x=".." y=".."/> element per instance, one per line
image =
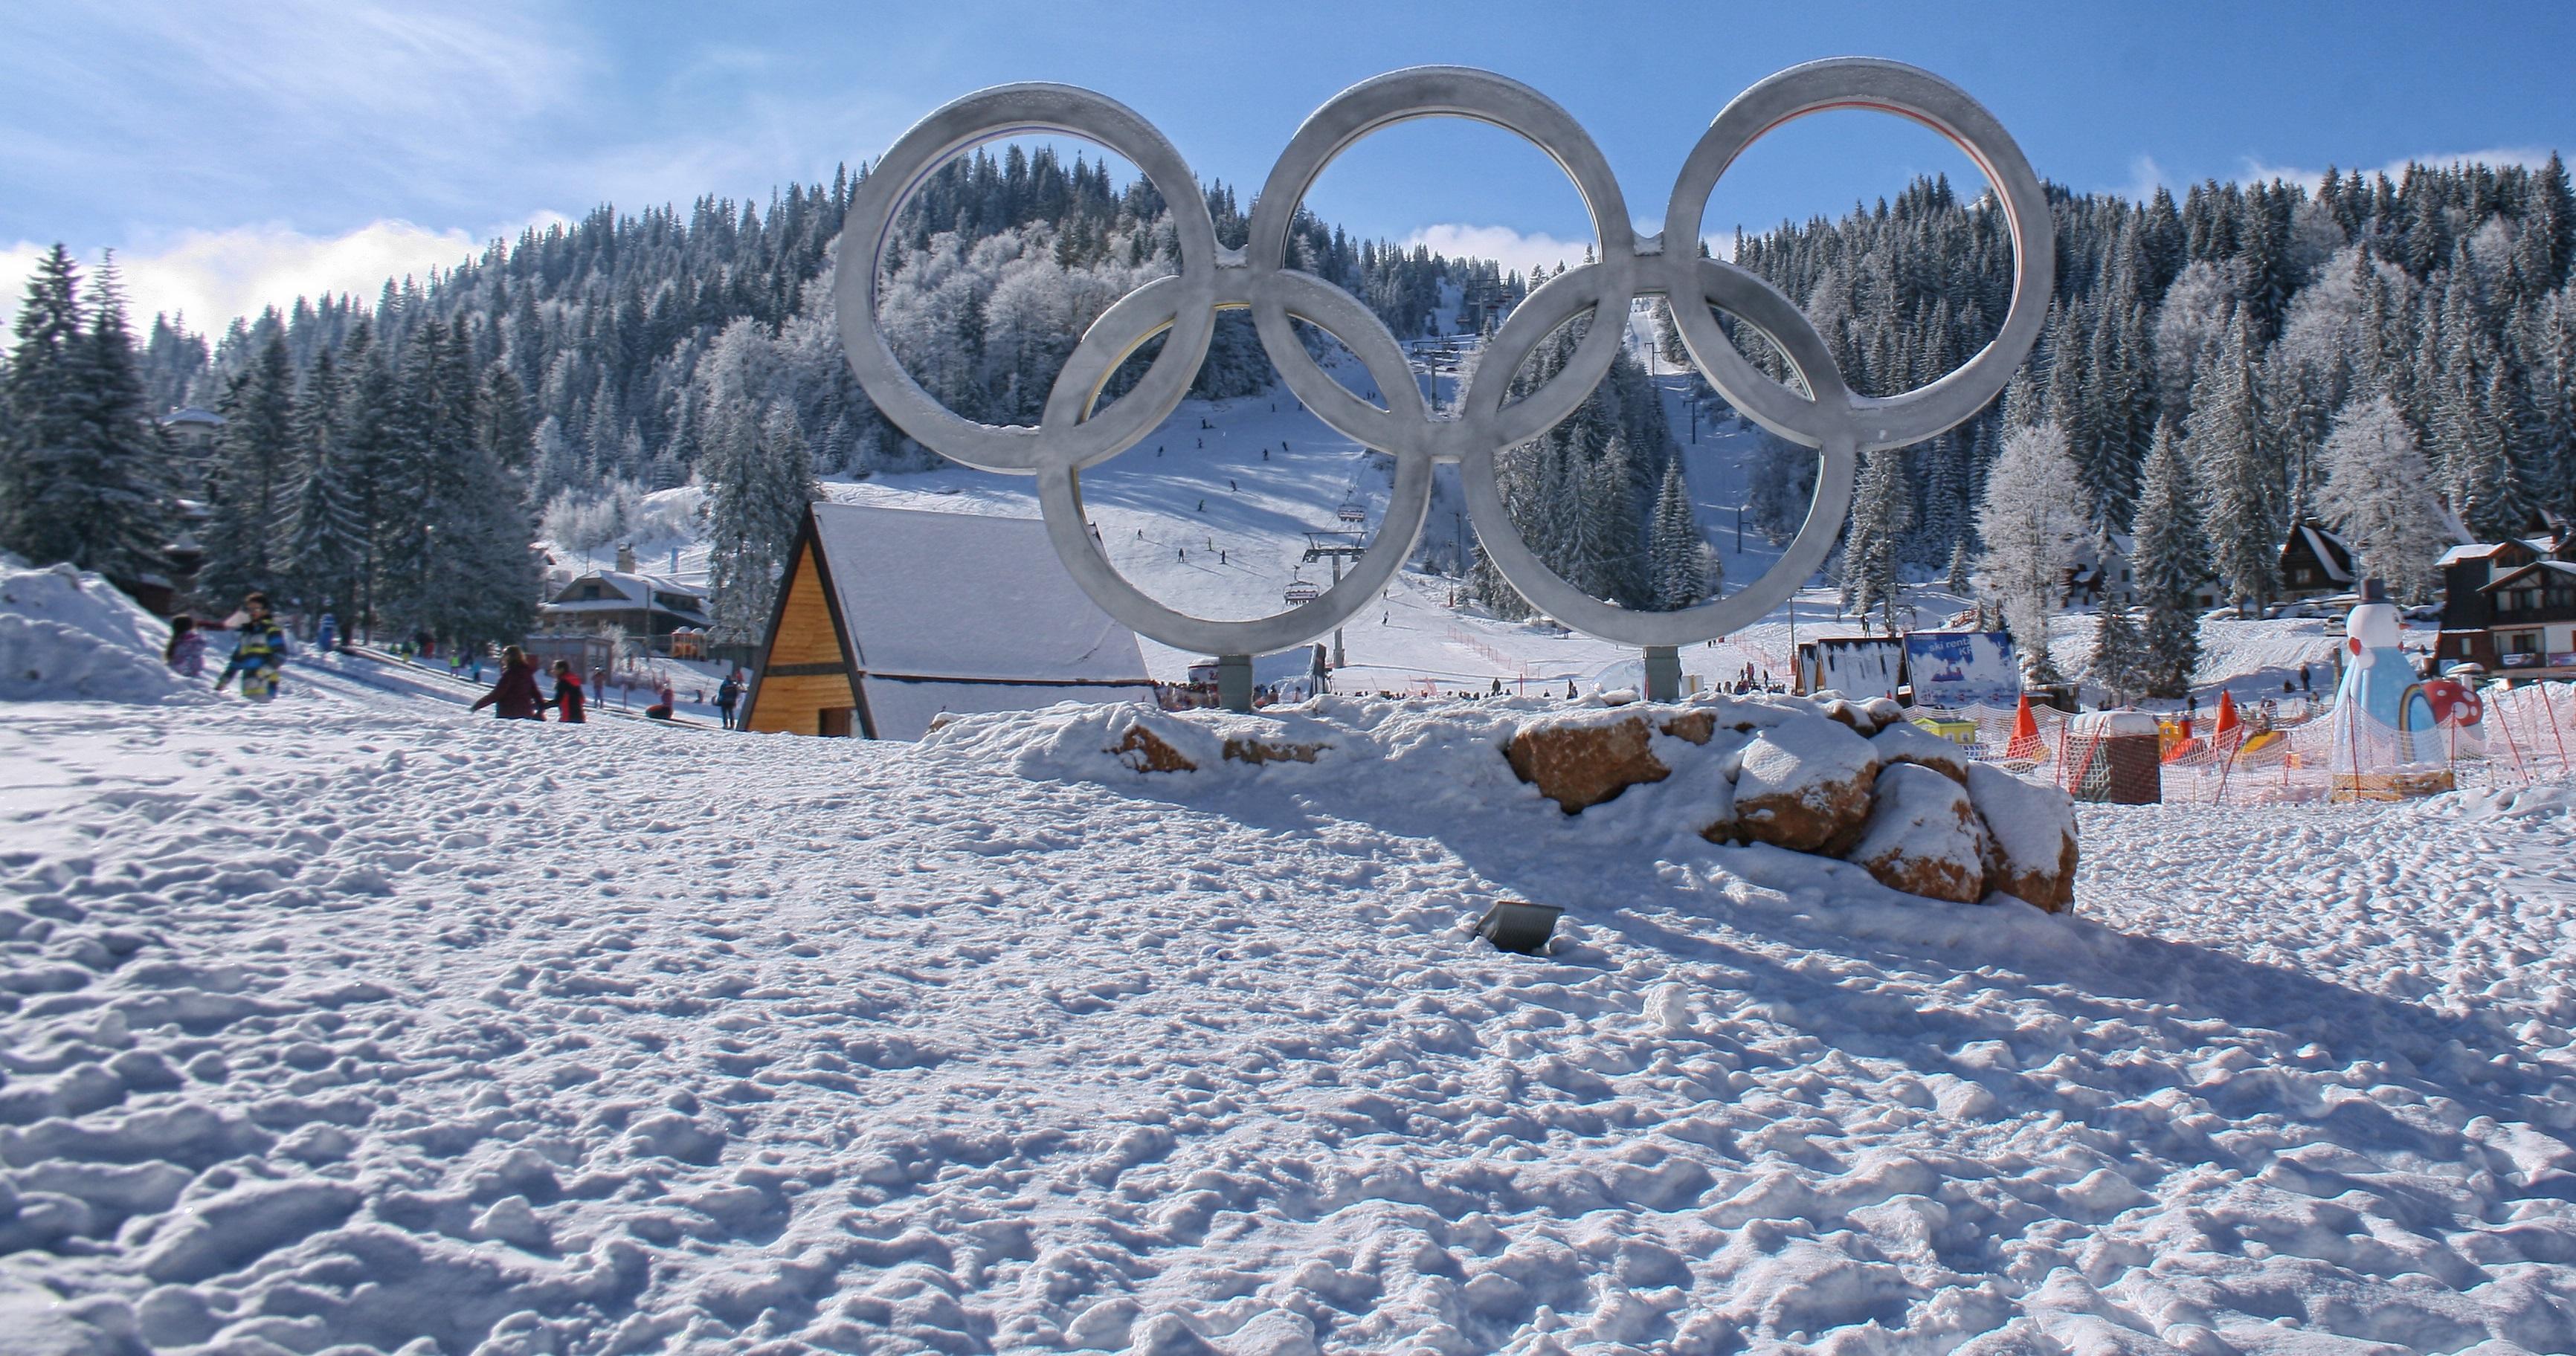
<point x="890" y="618"/>
<point x="2510" y="607"/>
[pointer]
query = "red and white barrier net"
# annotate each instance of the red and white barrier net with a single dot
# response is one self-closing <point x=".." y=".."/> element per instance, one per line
<point x="2305" y="752"/>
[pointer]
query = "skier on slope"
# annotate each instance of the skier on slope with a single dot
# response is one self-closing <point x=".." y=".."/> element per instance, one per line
<point x="260" y="653"/>
<point x="514" y="695"/>
<point x="327" y="638"/>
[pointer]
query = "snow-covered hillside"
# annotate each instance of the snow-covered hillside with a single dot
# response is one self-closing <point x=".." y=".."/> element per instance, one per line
<point x="359" y="1023"/>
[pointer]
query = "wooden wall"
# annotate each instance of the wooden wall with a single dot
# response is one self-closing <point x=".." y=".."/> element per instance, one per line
<point x="794" y="704"/>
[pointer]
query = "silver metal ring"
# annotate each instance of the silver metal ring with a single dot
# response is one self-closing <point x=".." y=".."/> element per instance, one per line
<point x="1072" y="436"/>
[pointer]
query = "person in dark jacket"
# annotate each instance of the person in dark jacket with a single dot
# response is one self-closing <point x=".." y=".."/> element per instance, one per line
<point x="567" y="699"/>
<point x="515" y="696"/>
<point x="728" y="693"/>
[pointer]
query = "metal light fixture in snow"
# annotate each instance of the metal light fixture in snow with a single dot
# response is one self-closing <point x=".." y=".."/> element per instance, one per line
<point x="1518" y="925"/>
<point x="1822" y="413"/>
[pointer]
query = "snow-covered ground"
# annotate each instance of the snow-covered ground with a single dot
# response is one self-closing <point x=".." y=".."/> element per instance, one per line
<point x="357" y="1022"/>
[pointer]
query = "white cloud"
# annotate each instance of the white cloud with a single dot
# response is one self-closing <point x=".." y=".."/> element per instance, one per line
<point x="1523" y="250"/>
<point x="2499" y="156"/>
<point x="2145" y="177"/>
<point x="212" y="276"/>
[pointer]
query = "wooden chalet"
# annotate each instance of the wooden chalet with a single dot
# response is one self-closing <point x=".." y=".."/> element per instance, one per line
<point x="890" y="618"/>
<point x="2510" y="607"/>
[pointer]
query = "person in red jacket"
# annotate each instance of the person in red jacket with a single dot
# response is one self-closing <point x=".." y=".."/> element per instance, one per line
<point x="515" y="696"/>
<point x="567" y="699"/>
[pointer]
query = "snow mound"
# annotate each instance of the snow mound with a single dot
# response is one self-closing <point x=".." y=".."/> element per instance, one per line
<point x="1612" y="776"/>
<point x="66" y="635"/>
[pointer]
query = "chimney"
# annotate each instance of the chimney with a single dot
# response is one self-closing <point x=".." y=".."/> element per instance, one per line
<point x="626" y="557"/>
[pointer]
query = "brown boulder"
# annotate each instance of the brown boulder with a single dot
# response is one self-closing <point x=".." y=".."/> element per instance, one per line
<point x="2030" y="835"/>
<point x="1585" y="760"/>
<point x="1805" y="785"/>
<point x="1923" y="836"/>
<point x="1146" y="751"/>
<point x="1907" y="742"/>
<point x="1257" y="752"/>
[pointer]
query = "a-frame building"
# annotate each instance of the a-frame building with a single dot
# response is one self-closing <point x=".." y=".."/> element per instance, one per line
<point x="889" y="618"/>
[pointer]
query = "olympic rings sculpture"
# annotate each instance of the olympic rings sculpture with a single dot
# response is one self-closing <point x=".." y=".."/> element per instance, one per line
<point x="1072" y="435"/>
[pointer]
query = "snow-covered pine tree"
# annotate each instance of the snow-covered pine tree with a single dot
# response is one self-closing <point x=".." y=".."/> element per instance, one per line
<point x="325" y="538"/>
<point x="251" y="492"/>
<point x="2240" y="489"/>
<point x="45" y="425"/>
<point x="2117" y="655"/>
<point x="2378" y="495"/>
<point x="1675" y="549"/>
<point x="1882" y="512"/>
<point x="2168" y="560"/>
<point x="82" y="466"/>
<point x="2031" y="518"/>
<point x="764" y="479"/>
<point x="121" y="502"/>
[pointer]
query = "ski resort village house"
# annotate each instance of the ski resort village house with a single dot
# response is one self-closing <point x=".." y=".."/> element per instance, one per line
<point x="890" y="618"/>
<point x="644" y="607"/>
<point x="2510" y="606"/>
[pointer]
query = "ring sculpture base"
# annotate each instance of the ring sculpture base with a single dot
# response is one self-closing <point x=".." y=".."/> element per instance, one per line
<point x="1234" y="682"/>
<point x="1074" y="432"/>
<point x="1663" y="673"/>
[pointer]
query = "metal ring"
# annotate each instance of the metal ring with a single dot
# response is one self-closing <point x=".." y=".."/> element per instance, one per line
<point x="1448" y="91"/>
<point x="987" y="115"/>
<point x="1911" y="92"/>
<point x="1753" y="301"/>
<point x="1071" y="436"/>
<point x="1060" y="492"/>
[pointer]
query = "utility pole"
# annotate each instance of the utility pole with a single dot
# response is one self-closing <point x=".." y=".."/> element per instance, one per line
<point x="1336" y="552"/>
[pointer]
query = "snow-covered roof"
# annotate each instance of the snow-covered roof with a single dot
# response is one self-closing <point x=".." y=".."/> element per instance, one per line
<point x="634" y="591"/>
<point x="2555" y="566"/>
<point x="2330" y="552"/>
<point x="965" y="596"/>
<point x="192" y="415"/>
<point x="2481" y="550"/>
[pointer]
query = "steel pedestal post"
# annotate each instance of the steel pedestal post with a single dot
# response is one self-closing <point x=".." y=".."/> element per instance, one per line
<point x="1663" y="673"/>
<point x="1234" y="682"/>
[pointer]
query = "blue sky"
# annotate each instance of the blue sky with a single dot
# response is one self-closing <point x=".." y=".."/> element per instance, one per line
<point x="236" y="155"/>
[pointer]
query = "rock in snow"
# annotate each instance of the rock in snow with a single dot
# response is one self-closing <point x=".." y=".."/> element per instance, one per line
<point x="2030" y="835"/>
<point x="1805" y="785"/>
<point x="1923" y="836"/>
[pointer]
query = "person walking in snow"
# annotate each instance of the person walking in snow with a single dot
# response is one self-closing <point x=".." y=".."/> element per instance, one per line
<point x="260" y="653"/>
<point x="186" y="652"/>
<point x="326" y="637"/>
<point x="567" y="699"/>
<point x="728" y="693"/>
<point x="514" y="696"/>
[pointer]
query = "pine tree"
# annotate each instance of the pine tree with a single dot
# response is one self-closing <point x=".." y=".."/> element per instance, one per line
<point x="1882" y="512"/>
<point x="2241" y="494"/>
<point x="764" y="479"/>
<point x="326" y="538"/>
<point x="252" y="488"/>
<point x="2031" y="518"/>
<point x="46" y="425"/>
<point x="2118" y="655"/>
<point x="2378" y="495"/>
<point x="82" y="465"/>
<point x="1675" y="547"/>
<point x="2168" y="561"/>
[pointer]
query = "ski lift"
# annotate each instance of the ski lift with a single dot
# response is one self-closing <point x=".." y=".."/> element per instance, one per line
<point x="1301" y="592"/>
<point x="1352" y="513"/>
